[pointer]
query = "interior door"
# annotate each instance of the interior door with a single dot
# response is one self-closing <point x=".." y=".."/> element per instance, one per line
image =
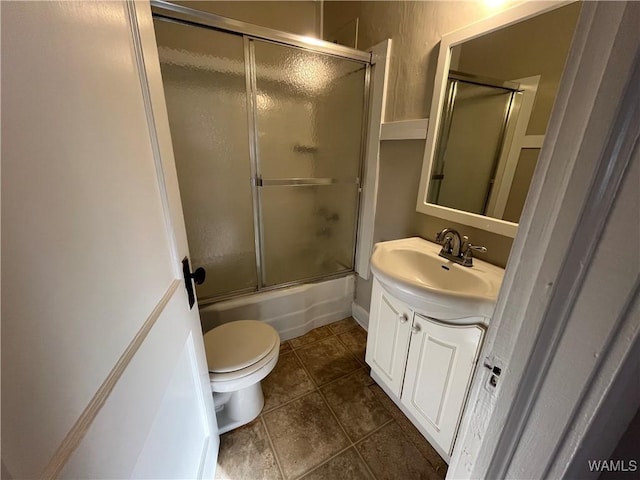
<point x="103" y="366"/>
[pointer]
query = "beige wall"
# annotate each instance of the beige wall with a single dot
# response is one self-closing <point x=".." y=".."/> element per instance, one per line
<point x="301" y="17"/>
<point x="416" y="29"/>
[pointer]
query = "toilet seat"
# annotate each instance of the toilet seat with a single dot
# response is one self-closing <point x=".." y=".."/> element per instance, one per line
<point x="244" y="372"/>
<point x="237" y="345"/>
<point x="240" y="354"/>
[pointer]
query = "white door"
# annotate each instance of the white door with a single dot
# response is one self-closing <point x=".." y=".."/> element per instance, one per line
<point x="439" y="368"/>
<point x="103" y="366"/>
<point x="388" y="337"/>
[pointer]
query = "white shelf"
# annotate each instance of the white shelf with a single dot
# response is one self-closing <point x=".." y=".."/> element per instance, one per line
<point x="405" y="130"/>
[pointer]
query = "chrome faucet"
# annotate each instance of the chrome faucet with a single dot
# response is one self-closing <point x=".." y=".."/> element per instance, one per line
<point x="450" y="241"/>
<point x="455" y="249"/>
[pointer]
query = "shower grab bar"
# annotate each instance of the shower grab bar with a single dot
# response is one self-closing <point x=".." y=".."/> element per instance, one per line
<point x="290" y="182"/>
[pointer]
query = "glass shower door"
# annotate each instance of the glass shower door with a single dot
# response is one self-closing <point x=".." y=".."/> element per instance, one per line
<point x="204" y="78"/>
<point x="309" y="111"/>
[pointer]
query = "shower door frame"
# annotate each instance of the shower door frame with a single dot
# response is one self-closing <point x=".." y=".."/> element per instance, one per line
<point x="171" y="12"/>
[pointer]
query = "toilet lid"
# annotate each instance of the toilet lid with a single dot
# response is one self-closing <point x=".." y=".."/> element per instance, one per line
<point x="238" y="344"/>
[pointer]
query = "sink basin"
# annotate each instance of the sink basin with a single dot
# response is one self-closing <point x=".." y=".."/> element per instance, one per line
<point x="411" y="270"/>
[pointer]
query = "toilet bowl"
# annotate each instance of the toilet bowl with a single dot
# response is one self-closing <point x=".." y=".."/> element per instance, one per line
<point x="239" y="355"/>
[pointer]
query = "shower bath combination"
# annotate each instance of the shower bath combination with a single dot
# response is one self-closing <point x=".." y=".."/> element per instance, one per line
<point x="268" y="137"/>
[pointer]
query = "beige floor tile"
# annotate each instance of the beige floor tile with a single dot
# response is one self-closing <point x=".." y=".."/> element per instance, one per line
<point x="346" y="466"/>
<point x="356" y="406"/>
<point x="342" y="325"/>
<point x="390" y="455"/>
<point x="245" y="453"/>
<point x="286" y="382"/>
<point x="310" y="337"/>
<point x="304" y="434"/>
<point x="412" y="433"/>
<point x="327" y="360"/>
<point x="356" y="341"/>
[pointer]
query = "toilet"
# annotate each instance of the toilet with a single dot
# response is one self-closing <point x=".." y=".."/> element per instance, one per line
<point x="239" y="355"/>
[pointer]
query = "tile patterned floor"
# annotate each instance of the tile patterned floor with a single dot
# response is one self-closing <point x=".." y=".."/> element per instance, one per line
<point x="325" y="418"/>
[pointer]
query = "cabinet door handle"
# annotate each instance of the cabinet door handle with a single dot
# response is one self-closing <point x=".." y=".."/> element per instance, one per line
<point x="403" y="317"/>
<point x="415" y="329"/>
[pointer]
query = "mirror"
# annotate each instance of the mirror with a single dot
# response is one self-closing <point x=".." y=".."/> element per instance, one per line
<point x="495" y="86"/>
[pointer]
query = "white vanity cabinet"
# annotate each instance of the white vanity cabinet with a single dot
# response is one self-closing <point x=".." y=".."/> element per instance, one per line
<point x="440" y="364"/>
<point x="388" y="337"/>
<point x="424" y="364"/>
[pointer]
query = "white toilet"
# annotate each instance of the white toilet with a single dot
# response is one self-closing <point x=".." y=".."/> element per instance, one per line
<point x="239" y="355"/>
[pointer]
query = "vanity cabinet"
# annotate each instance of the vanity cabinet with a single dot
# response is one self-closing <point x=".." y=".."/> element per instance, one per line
<point x="440" y="363"/>
<point x="424" y="364"/>
<point x="388" y="337"/>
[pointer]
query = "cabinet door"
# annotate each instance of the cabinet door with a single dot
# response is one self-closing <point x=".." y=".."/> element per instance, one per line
<point x="388" y="337"/>
<point x="439" y="367"/>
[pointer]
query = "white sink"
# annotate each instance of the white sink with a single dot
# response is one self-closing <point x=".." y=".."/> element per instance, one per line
<point x="411" y="270"/>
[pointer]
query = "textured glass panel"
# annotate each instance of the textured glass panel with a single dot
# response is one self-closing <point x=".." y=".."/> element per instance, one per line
<point x="309" y="113"/>
<point x="471" y="148"/>
<point x="308" y="231"/>
<point x="204" y="80"/>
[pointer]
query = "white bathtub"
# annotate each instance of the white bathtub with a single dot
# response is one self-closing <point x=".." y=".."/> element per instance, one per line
<point x="292" y="311"/>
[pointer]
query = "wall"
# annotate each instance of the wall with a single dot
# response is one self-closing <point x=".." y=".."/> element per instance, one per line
<point x="301" y="17"/>
<point x="416" y="29"/>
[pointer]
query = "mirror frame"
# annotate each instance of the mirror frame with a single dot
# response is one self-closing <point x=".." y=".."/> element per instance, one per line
<point x="503" y="19"/>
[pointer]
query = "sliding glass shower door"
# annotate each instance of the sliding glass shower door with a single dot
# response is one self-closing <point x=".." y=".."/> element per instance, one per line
<point x="203" y="73"/>
<point x="267" y="140"/>
<point x="309" y="114"/>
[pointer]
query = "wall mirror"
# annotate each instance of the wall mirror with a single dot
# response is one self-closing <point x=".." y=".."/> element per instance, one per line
<point x="496" y="82"/>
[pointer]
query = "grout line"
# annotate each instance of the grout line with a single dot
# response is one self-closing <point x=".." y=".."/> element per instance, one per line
<point x="343" y="377"/>
<point x="312" y="341"/>
<point x="273" y="448"/>
<point x="313" y="380"/>
<point x="373" y="431"/>
<point x="409" y="437"/>
<point x="324" y="399"/>
<point x="315" y="387"/>
<point x="348" y="349"/>
<point x="326" y="461"/>
<point x="331" y="333"/>
<point x="318" y="385"/>
<point x="355" y="446"/>
<point x="284" y="404"/>
<point x="366" y="465"/>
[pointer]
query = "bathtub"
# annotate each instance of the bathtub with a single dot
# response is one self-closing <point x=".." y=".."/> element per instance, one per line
<point x="292" y="311"/>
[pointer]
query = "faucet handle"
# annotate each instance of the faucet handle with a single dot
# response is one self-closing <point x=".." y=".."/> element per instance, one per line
<point x="467" y="260"/>
<point x="468" y="252"/>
